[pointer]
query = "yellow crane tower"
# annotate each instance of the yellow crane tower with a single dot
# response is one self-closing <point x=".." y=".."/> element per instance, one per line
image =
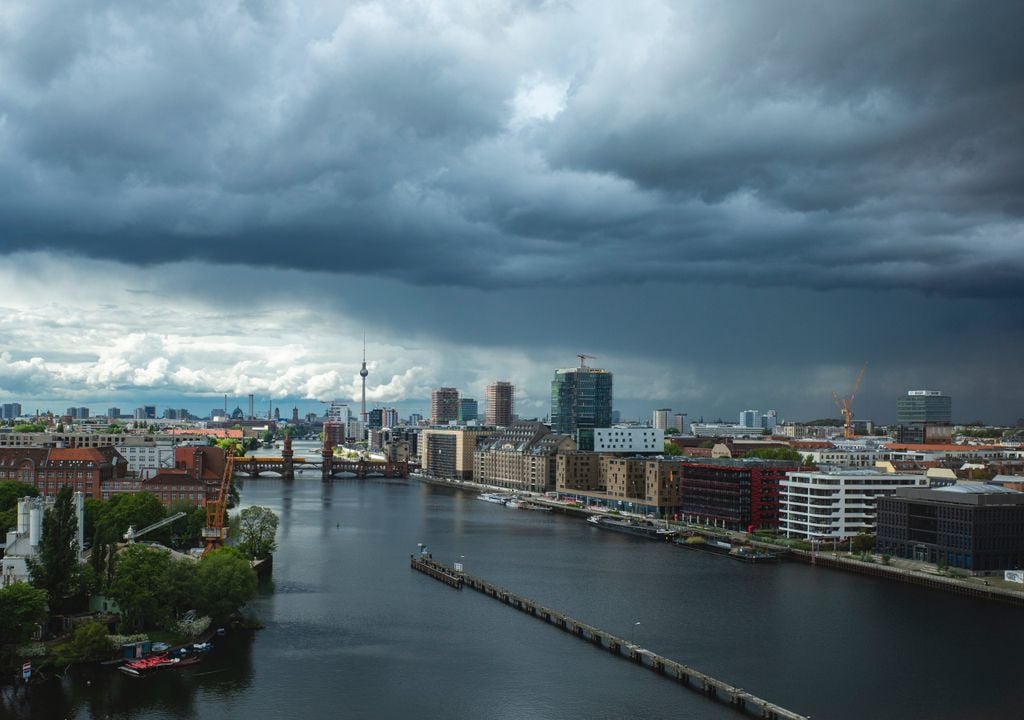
<point x="845" y="405"/>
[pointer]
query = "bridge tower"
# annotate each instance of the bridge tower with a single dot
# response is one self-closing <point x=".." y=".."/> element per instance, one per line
<point x="328" y="464"/>
<point x="287" y="464"/>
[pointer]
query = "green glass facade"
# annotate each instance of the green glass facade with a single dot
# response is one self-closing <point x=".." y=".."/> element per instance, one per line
<point x="924" y="409"/>
<point x="581" y="400"/>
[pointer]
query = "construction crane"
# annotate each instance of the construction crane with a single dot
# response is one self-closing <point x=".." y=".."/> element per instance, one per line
<point x="584" y="356"/>
<point x="845" y="405"/>
<point x="133" y="533"/>
<point x="215" y="532"/>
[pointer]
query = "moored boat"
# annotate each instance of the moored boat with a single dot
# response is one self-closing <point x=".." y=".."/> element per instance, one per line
<point x="498" y="498"/>
<point x="629" y="526"/>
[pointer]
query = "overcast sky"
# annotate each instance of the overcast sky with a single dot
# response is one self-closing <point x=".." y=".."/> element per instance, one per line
<point x="732" y="205"/>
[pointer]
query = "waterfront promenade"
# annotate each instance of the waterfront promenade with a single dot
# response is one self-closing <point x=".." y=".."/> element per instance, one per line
<point x="897" y="569"/>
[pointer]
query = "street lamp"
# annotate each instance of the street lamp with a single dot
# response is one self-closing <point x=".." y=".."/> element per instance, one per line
<point x="632" y="633"/>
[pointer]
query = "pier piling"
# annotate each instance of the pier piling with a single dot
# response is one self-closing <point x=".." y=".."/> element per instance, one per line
<point x="686" y="676"/>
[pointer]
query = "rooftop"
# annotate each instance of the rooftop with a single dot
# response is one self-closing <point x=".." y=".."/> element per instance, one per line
<point x="977" y="488"/>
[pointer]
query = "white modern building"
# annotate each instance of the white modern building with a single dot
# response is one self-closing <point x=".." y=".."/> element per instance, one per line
<point x="836" y="503"/>
<point x="720" y="430"/>
<point x="148" y="457"/>
<point x="629" y="440"/>
<point x="839" y="457"/>
<point x="23" y="541"/>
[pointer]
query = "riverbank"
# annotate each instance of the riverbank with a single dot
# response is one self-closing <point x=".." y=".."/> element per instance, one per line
<point x="897" y="570"/>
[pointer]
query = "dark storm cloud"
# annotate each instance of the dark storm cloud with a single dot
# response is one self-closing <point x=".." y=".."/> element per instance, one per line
<point x="870" y="144"/>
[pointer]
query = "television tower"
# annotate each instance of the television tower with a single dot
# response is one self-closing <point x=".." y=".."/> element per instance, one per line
<point x="363" y="372"/>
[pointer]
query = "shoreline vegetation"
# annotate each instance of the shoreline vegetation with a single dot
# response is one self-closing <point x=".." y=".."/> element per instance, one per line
<point x="84" y="607"/>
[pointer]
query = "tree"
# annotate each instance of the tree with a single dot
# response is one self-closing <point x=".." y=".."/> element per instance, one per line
<point x="55" y="569"/>
<point x="671" y="431"/>
<point x="137" y="510"/>
<point x="672" y="449"/>
<point x="258" y="527"/>
<point x="777" y="454"/>
<point x="11" y="491"/>
<point x="89" y="641"/>
<point x="180" y="587"/>
<point x="863" y="543"/>
<point x="226" y="582"/>
<point x="29" y="428"/>
<point x="187" y="532"/>
<point x="138" y="586"/>
<point x="22" y="607"/>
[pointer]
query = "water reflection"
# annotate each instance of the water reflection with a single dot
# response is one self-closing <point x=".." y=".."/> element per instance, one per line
<point x="91" y="691"/>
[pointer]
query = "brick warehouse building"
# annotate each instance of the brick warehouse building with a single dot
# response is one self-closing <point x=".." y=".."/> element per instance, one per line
<point x="90" y="471"/>
<point x="196" y="474"/>
<point x="737" y="494"/>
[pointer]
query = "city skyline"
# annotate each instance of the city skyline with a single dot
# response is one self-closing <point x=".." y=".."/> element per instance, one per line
<point x="729" y="207"/>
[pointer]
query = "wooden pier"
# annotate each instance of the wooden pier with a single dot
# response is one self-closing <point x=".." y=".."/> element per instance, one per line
<point x="714" y="688"/>
<point x="436" y="570"/>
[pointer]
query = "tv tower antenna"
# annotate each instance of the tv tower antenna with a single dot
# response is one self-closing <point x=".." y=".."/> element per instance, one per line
<point x="363" y="372"/>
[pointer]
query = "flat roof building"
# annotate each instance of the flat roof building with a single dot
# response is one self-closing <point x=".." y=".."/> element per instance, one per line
<point x="836" y="503"/>
<point x="970" y="525"/>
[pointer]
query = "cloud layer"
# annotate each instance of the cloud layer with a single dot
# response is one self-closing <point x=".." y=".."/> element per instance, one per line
<point x="506" y="144"/>
<point x="732" y="205"/>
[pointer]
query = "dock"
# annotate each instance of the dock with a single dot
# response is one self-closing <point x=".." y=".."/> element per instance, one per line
<point x="695" y="680"/>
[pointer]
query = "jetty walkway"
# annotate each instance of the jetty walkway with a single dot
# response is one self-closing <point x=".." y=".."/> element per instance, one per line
<point x="714" y="688"/>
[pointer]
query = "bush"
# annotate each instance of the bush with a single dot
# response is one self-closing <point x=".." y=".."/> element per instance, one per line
<point x="89" y="640"/>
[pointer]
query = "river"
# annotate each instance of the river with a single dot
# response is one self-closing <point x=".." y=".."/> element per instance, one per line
<point x="351" y="631"/>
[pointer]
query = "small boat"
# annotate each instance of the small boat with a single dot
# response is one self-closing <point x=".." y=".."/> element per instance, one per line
<point x="514" y="503"/>
<point x="498" y="498"/>
<point x="147" y="666"/>
<point x="633" y="527"/>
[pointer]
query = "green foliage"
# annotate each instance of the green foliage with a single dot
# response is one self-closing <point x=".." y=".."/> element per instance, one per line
<point x="152" y="589"/>
<point x="863" y="543"/>
<point x="672" y="449"/>
<point x="230" y="445"/>
<point x="29" y="428"/>
<point x="137" y="586"/>
<point x="89" y="641"/>
<point x="777" y="454"/>
<point x="56" y="568"/>
<point x="808" y="461"/>
<point x="11" y="491"/>
<point x="226" y="582"/>
<point x="137" y="510"/>
<point x="114" y="429"/>
<point x="187" y="532"/>
<point x="22" y="607"/>
<point x="982" y="432"/>
<point x="671" y="431"/>
<point x="267" y="436"/>
<point x="257" y="527"/>
<point x="708" y="444"/>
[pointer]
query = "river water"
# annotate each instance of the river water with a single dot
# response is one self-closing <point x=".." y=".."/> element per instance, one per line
<point x="351" y="631"/>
